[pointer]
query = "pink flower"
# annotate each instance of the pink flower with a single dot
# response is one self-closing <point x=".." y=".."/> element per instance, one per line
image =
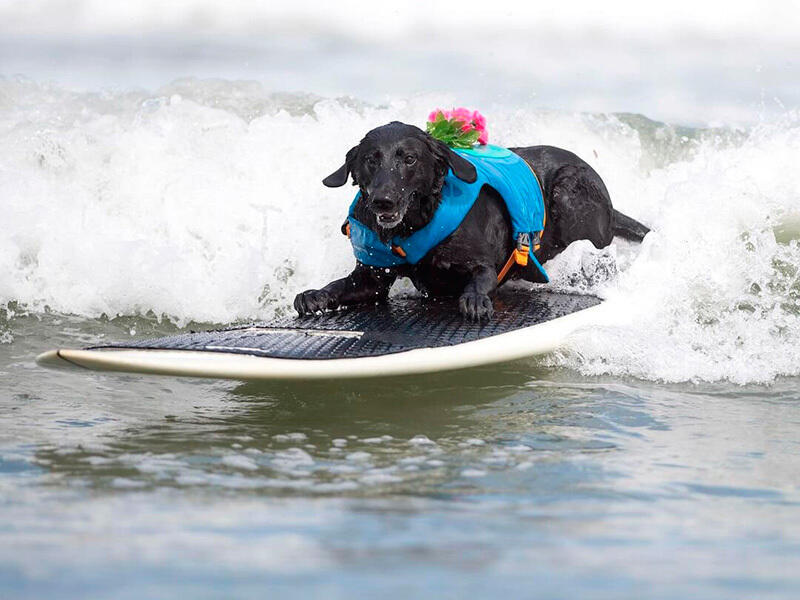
<point x="462" y="114"/>
<point x="432" y="116"/>
<point x="479" y="120"/>
<point x="483" y="138"/>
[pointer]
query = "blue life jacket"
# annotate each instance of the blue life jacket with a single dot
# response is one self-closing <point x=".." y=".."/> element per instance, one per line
<point x="498" y="167"/>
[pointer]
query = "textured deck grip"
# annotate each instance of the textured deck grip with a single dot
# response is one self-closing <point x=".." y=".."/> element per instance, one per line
<point x="400" y="325"/>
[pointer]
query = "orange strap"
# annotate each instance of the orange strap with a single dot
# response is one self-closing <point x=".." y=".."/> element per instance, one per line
<point x="504" y="271"/>
<point x="519" y="256"/>
<point x="396" y="249"/>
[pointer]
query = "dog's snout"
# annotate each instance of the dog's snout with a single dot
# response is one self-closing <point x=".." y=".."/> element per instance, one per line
<point x="383" y="203"/>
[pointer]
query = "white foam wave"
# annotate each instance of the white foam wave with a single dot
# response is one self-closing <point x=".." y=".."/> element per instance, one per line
<point x="714" y="292"/>
<point x="203" y="202"/>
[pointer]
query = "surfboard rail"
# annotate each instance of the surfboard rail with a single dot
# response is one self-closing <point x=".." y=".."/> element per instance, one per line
<point x="519" y="343"/>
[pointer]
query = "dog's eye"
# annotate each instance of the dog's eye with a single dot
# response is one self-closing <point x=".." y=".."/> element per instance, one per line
<point x="372" y="161"/>
<point x="410" y="159"/>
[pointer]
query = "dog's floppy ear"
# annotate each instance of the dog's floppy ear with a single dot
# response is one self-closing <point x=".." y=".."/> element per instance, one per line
<point x="462" y="168"/>
<point x="339" y="177"/>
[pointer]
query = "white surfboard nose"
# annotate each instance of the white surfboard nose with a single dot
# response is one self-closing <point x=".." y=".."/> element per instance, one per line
<point x="63" y="358"/>
<point x="52" y="360"/>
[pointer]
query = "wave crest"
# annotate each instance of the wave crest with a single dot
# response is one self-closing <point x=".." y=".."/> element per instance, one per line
<point x="203" y="202"/>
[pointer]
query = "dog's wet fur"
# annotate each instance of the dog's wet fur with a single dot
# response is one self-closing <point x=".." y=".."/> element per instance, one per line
<point x="400" y="171"/>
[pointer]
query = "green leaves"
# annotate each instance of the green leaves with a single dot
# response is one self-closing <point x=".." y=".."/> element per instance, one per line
<point x="451" y="132"/>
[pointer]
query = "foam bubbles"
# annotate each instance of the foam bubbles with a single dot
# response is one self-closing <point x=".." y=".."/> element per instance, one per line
<point x="239" y="461"/>
<point x="714" y="291"/>
<point x="203" y="202"/>
<point x="131" y="203"/>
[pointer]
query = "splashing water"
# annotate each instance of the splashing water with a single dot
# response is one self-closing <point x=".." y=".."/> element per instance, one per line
<point x="203" y="202"/>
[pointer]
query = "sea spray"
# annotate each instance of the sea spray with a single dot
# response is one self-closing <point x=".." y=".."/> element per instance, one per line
<point x="202" y="202"/>
<point x="713" y="293"/>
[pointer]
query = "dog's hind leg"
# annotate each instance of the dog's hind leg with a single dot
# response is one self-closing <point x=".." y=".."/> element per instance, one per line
<point x="579" y="208"/>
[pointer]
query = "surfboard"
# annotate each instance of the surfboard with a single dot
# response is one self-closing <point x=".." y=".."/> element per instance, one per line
<point x="406" y="335"/>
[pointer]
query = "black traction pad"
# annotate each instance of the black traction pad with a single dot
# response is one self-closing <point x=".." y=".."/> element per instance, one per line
<point x="404" y="323"/>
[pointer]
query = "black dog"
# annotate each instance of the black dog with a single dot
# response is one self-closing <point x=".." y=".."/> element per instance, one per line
<point x="400" y="171"/>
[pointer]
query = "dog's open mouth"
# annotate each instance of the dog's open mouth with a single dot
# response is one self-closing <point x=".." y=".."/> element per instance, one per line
<point x="389" y="219"/>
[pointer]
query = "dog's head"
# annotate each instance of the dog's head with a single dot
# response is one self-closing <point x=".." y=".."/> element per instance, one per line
<point x="400" y="169"/>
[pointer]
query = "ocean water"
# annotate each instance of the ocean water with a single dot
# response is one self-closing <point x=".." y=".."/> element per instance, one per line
<point x="166" y="180"/>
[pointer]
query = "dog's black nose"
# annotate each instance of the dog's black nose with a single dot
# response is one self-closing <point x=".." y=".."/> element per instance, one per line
<point x="382" y="204"/>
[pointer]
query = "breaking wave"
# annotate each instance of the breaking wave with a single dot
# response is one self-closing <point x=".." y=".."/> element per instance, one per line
<point x="202" y="202"/>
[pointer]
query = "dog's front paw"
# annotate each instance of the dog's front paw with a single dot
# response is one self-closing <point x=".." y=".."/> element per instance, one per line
<point x="314" y="301"/>
<point x="475" y="306"/>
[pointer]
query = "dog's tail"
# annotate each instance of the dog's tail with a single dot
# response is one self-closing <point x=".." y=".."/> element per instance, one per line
<point x="628" y="228"/>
